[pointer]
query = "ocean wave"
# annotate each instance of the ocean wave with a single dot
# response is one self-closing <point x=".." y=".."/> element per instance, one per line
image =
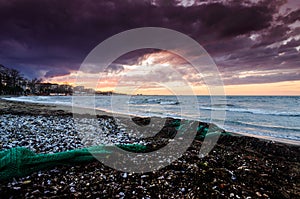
<point x="154" y="101"/>
<point x="38" y="99"/>
<point x="268" y="135"/>
<point x="169" y="103"/>
<point x="274" y="127"/>
<point x="219" y="105"/>
<point x="253" y="111"/>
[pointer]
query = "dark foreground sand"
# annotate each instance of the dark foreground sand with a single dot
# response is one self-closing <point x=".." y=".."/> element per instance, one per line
<point x="237" y="167"/>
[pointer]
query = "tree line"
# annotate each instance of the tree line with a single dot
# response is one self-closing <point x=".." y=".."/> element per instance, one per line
<point x="12" y="82"/>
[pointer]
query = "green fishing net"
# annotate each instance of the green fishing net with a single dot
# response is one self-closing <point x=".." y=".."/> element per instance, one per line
<point x="203" y="130"/>
<point x="20" y="161"/>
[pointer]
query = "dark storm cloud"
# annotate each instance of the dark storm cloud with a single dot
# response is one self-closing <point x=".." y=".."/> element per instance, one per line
<point x="266" y="78"/>
<point x="114" y="68"/>
<point x="57" y="72"/>
<point x="234" y="20"/>
<point x="291" y="17"/>
<point x="42" y="36"/>
<point x="133" y="57"/>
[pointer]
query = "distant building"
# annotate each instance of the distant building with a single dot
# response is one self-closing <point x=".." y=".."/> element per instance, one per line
<point x="82" y="90"/>
<point x="78" y="89"/>
<point x="89" y="90"/>
<point x="53" y="89"/>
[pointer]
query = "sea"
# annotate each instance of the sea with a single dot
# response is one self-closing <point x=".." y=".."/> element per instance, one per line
<point x="272" y="117"/>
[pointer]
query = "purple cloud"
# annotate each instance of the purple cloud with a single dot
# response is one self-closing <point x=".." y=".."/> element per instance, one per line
<point x="41" y="37"/>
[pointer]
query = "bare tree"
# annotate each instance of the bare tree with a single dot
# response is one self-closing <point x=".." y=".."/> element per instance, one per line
<point x="14" y="76"/>
<point x="32" y="85"/>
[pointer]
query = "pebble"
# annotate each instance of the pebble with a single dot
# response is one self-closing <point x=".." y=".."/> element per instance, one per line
<point x="124" y="175"/>
<point x="258" y="194"/>
<point x="27" y="182"/>
<point x="72" y="189"/>
<point x="236" y="164"/>
<point x="33" y="132"/>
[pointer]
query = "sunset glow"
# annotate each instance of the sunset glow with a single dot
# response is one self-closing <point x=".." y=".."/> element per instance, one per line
<point x="136" y="79"/>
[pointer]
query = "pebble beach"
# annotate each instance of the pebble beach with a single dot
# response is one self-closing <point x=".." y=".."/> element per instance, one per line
<point x="237" y="167"/>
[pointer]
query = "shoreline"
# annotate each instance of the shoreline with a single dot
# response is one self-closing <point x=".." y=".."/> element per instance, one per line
<point x="69" y="110"/>
<point x="238" y="166"/>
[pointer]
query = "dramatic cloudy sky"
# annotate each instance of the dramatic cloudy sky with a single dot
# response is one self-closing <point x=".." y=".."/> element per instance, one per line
<point x="255" y="44"/>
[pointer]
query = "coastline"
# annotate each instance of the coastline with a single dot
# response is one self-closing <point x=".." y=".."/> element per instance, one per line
<point x="26" y="107"/>
<point x="238" y="166"/>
